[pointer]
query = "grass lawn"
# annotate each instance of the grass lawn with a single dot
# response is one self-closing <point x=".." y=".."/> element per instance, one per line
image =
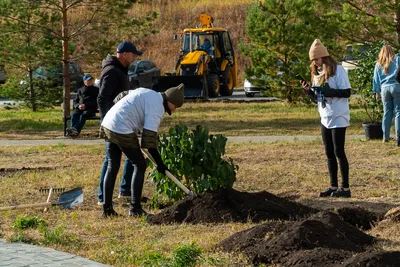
<point x="273" y="118"/>
<point x="296" y="170"/>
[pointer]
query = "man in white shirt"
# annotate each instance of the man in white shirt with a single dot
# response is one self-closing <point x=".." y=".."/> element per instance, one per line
<point x="140" y="110"/>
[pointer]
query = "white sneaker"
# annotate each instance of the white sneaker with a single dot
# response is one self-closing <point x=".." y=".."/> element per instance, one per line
<point x="102" y="203"/>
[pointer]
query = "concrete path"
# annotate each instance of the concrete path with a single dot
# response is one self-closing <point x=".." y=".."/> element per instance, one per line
<point x="20" y="254"/>
<point x="231" y="139"/>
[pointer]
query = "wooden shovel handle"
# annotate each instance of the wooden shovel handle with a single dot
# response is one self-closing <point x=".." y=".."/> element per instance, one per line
<point x="24" y="206"/>
<point x="167" y="173"/>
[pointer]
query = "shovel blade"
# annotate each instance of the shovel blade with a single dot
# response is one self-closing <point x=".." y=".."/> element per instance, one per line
<point x="70" y="199"/>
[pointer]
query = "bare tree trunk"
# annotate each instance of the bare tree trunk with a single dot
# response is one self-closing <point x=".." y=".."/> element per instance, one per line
<point x="66" y="74"/>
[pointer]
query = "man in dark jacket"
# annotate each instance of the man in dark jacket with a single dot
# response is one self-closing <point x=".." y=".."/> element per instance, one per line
<point x="85" y="106"/>
<point x="113" y="80"/>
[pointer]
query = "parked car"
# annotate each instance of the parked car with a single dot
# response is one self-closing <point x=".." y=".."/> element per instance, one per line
<point x="250" y="89"/>
<point x="141" y="72"/>
<point x="353" y="54"/>
<point x="3" y="75"/>
<point x="55" y="75"/>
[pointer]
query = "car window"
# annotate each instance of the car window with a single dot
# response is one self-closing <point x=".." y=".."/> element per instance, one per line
<point x="133" y="66"/>
<point x="140" y="66"/>
<point x="147" y="65"/>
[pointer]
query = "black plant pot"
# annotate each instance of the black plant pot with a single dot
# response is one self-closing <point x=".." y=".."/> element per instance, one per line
<point x="373" y="130"/>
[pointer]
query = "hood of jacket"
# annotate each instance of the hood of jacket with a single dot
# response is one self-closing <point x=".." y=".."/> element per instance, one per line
<point x="113" y="61"/>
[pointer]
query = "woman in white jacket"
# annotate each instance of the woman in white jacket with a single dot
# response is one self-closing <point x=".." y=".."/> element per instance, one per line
<point x="331" y="90"/>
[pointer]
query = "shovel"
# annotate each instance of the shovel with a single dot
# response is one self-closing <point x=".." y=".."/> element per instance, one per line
<point x="167" y="173"/>
<point x="66" y="200"/>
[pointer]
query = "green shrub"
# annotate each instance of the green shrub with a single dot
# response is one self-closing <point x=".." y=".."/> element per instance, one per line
<point x="197" y="159"/>
<point x="361" y="81"/>
<point x="186" y="255"/>
<point x="27" y="222"/>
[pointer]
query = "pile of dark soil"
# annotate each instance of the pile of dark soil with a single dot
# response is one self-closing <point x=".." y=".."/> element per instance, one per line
<point x="375" y="258"/>
<point x="229" y="205"/>
<point x="322" y="239"/>
<point x="294" y="234"/>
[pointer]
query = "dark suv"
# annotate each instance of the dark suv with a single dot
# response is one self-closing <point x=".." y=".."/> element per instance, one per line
<point x="55" y="75"/>
<point x="141" y="72"/>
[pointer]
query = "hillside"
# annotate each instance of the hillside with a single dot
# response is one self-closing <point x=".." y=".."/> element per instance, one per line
<point x="176" y="15"/>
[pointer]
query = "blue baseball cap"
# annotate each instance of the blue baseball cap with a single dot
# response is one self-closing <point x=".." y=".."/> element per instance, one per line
<point x="125" y="47"/>
<point x="87" y="77"/>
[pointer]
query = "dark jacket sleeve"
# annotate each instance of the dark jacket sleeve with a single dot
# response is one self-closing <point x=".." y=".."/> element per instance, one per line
<point x="78" y="98"/>
<point x="92" y="104"/>
<point x="330" y="92"/>
<point x="107" y="88"/>
<point x="312" y="96"/>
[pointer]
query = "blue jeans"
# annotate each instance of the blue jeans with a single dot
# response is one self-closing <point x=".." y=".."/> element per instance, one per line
<point x="125" y="185"/>
<point x="79" y="117"/>
<point x="391" y="104"/>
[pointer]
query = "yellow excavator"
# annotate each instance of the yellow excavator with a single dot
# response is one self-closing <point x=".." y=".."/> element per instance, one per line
<point x="207" y="64"/>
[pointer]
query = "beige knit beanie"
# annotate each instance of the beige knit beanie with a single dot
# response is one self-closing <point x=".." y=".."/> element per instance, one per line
<point x="318" y="50"/>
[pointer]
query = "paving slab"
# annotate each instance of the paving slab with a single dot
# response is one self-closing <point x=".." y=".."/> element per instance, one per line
<point x="13" y="254"/>
<point x="231" y="139"/>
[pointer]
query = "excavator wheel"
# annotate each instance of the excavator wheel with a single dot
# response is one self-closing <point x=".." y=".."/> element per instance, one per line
<point x="213" y="85"/>
<point x="227" y="81"/>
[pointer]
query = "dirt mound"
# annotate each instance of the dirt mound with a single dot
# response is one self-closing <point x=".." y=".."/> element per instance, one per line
<point x="323" y="237"/>
<point x="229" y="205"/>
<point x="358" y="217"/>
<point x="376" y="258"/>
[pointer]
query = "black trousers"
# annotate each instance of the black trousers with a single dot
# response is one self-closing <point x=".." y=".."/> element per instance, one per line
<point x="138" y="162"/>
<point x="334" y="140"/>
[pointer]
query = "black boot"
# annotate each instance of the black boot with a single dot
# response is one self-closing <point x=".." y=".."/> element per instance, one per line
<point x="109" y="212"/>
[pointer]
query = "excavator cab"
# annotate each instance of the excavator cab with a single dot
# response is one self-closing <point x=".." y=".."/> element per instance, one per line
<point x="207" y="64"/>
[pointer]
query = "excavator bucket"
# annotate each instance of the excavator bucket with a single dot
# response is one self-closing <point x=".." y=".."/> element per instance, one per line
<point x="195" y="86"/>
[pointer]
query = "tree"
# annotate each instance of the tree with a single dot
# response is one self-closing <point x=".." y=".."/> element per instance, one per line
<point x="24" y="47"/>
<point x="95" y="26"/>
<point x="281" y="33"/>
<point x="360" y="21"/>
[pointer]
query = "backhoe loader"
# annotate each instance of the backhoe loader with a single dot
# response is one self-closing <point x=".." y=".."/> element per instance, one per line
<point x="206" y="65"/>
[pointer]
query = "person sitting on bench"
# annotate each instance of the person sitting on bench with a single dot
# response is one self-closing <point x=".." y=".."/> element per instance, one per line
<point x="85" y="106"/>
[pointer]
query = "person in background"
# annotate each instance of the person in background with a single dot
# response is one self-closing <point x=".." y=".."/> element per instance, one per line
<point x="114" y="80"/>
<point x="140" y="110"/>
<point x="331" y="90"/>
<point x="85" y="106"/>
<point x="387" y="88"/>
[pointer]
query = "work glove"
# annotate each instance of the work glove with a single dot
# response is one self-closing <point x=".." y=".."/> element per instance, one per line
<point x="161" y="168"/>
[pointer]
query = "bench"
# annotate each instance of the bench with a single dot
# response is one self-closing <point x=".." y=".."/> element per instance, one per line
<point x="68" y="118"/>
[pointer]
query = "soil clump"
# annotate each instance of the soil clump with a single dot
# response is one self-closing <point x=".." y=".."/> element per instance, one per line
<point x="230" y="205"/>
<point x="322" y="239"/>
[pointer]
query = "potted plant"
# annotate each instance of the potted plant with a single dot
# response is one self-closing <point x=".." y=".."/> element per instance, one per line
<point x="361" y="81"/>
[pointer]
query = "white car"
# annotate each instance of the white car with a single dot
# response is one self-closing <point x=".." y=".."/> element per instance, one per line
<point x="250" y="90"/>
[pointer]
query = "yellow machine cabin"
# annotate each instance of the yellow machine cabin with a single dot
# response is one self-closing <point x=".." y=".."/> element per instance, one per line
<point x="207" y="64"/>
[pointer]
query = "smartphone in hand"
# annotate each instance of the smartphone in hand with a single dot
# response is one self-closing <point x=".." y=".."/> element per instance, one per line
<point x="298" y="77"/>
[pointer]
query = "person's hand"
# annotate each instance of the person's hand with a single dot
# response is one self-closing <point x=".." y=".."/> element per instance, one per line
<point x="82" y="107"/>
<point x="162" y="168"/>
<point x="378" y="96"/>
<point x="305" y="86"/>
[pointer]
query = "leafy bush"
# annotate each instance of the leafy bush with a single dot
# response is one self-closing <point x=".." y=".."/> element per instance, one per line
<point x="186" y="255"/>
<point x="197" y="159"/>
<point x="361" y="81"/>
<point x="27" y="222"/>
